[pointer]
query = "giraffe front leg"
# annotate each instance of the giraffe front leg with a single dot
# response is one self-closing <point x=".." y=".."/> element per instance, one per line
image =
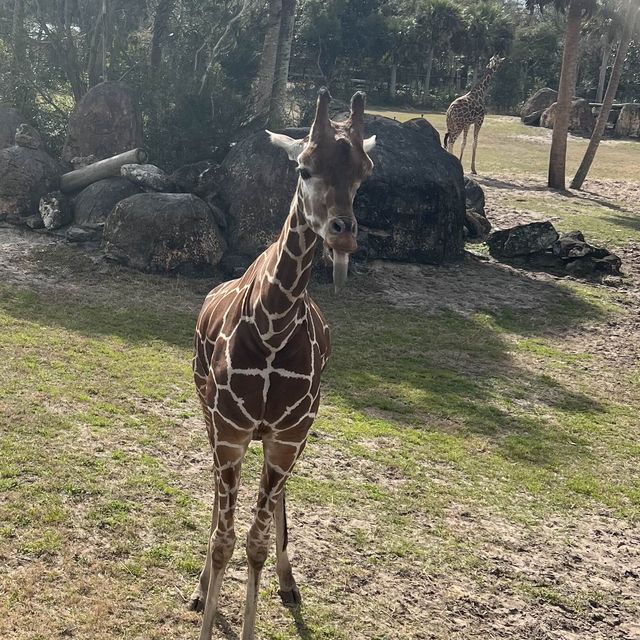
<point x="289" y="593"/>
<point x="223" y="539"/>
<point x="196" y="602"/>
<point x="279" y="458"/>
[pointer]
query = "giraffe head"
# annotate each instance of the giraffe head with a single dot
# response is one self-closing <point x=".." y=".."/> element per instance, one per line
<point x="332" y="162"/>
<point x="495" y="62"/>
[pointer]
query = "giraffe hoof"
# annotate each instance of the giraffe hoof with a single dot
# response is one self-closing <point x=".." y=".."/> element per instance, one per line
<point x="290" y="599"/>
<point x="196" y="603"/>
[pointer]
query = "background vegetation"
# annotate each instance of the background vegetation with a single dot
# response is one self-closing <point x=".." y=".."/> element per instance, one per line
<point x="199" y="67"/>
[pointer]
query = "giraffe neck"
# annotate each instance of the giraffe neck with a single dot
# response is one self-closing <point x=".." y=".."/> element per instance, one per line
<point x="479" y="89"/>
<point x="280" y="304"/>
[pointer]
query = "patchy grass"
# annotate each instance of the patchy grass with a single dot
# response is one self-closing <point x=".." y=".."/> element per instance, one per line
<point x="105" y="472"/>
<point x="472" y="473"/>
<point x="507" y="146"/>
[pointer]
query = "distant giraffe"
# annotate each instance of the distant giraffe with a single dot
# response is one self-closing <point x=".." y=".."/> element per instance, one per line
<point x="469" y="110"/>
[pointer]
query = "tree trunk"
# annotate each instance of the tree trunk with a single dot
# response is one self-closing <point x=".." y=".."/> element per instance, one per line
<point x="106" y="168"/>
<point x="427" y="79"/>
<point x="279" y="94"/>
<point x="19" y="55"/>
<point x="266" y="71"/>
<point x="160" y="22"/>
<point x="558" y="155"/>
<point x="606" y="50"/>
<point x="393" y="81"/>
<point x="612" y="88"/>
<point x="96" y="63"/>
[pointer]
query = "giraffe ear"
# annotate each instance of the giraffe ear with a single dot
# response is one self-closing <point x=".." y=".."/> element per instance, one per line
<point x="290" y="145"/>
<point x="369" y="143"/>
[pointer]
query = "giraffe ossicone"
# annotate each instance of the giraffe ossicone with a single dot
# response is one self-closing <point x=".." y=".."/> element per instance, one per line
<point x="261" y="345"/>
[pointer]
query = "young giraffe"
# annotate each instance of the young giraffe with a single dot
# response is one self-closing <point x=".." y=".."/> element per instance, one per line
<point x="469" y="110"/>
<point x="261" y="344"/>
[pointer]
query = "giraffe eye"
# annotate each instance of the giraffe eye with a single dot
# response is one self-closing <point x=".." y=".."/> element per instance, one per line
<point x="305" y="174"/>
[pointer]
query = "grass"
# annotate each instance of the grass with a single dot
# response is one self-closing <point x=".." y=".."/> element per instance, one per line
<point x="506" y="146"/>
<point x="459" y="465"/>
<point x="96" y="411"/>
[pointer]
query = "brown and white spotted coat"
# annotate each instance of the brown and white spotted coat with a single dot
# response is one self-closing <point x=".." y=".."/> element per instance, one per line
<point x="469" y="110"/>
<point x="260" y="347"/>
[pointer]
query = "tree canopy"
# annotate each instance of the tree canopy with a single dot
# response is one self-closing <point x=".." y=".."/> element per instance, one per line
<point x="198" y="66"/>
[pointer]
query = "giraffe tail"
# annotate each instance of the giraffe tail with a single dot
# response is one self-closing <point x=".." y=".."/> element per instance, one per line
<point x="446" y="139"/>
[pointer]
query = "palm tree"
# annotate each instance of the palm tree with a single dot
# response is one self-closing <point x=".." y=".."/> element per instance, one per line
<point x="488" y="30"/>
<point x="436" y="22"/>
<point x="607" y="26"/>
<point x="576" y="10"/>
<point x="633" y="10"/>
<point x="281" y="75"/>
<point x="266" y="72"/>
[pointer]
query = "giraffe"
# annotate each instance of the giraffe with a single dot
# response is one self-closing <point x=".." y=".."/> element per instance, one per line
<point x="469" y="110"/>
<point x="261" y="344"/>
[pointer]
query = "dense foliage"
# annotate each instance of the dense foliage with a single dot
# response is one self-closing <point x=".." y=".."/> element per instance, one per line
<point x="193" y="63"/>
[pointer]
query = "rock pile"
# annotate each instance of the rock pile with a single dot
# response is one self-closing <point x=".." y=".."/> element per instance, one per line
<point x="411" y="209"/>
<point x="537" y="245"/>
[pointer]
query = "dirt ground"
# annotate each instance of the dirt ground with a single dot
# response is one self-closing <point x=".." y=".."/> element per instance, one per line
<point x="599" y="553"/>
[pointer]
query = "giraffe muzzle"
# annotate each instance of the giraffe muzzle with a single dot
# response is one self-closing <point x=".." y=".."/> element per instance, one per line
<point x="341" y="241"/>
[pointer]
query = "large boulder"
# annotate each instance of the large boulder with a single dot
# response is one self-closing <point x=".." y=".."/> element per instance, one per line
<point x="163" y="232"/>
<point x="412" y="208"/>
<point x="581" y="119"/>
<point x="95" y="202"/>
<point x="542" y="99"/>
<point x="187" y="178"/>
<point x="104" y="123"/>
<point x="476" y="225"/>
<point x="628" y="123"/>
<point x="10" y="120"/>
<point x="25" y="176"/>
<point x="147" y="176"/>
<point x="28" y="137"/>
<point x="521" y="240"/>
<point x="533" y="119"/>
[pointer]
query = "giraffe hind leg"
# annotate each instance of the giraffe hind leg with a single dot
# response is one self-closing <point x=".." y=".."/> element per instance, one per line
<point x="289" y="593"/>
<point x="279" y="459"/>
<point x="476" y="131"/>
<point x="465" y="131"/>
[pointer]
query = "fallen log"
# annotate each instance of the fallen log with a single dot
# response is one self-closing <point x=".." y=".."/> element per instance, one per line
<point x="80" y="178"/>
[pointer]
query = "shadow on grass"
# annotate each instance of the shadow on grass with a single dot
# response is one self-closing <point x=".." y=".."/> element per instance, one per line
<point x="630" y="222"/>
<point x="458" y="368"/>
<point x="505" y="184"/>
<point x="95" y="319"/>
<point x="459" y="374"/>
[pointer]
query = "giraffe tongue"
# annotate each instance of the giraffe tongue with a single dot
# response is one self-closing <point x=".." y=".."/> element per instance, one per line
<point x="340" y="268"/>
